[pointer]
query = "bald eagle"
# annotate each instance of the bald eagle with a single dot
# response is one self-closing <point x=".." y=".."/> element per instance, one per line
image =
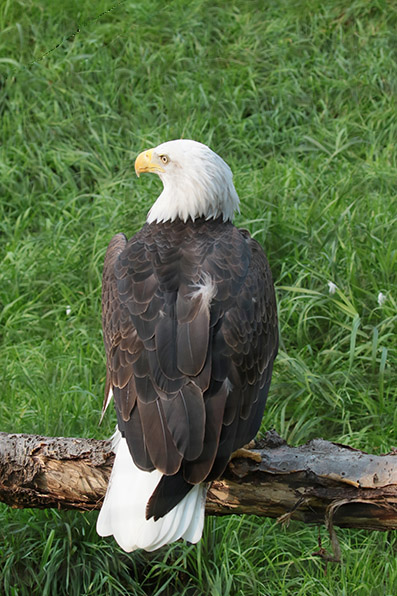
<point x="190" y="332"/>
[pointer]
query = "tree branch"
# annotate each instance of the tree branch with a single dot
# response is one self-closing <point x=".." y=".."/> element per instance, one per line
<point x="315" y="483"/>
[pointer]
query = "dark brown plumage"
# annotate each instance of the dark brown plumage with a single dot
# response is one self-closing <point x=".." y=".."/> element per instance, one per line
<point x="190" y="330"/>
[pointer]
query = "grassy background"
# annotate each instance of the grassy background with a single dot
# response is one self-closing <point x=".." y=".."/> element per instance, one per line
<point x="299" y="98"/>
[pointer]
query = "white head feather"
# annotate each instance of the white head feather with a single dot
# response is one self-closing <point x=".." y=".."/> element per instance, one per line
<point x="197" y="182"/>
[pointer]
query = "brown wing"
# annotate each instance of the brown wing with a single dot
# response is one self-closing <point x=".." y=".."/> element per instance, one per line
<point x="119" y="335"/>
<point x="250" y="331"/>
<point x="245" y="343"/>
<point x="190" y="332"/>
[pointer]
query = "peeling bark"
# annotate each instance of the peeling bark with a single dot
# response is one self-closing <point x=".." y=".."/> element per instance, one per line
<point x="320" y="482"/>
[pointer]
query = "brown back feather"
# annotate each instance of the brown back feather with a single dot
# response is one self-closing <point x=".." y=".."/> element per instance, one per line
<point x="191" y="377"/>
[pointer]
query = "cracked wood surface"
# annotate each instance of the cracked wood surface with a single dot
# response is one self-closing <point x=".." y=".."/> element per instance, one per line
<point x="320" y="482"/>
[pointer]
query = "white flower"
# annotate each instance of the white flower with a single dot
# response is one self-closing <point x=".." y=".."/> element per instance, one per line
<point x="332" y="287"/>
<point x="381" y="298"/>
<point x="68" y="310"/>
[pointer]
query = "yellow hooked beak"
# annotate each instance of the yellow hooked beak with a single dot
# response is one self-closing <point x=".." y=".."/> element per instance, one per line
<point x="147" y="162"/>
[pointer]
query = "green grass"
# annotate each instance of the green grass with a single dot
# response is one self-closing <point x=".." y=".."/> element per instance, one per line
<point x="299" y="98"/>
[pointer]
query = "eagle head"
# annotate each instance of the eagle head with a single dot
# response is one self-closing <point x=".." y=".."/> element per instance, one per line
<point x="197" y="182"/>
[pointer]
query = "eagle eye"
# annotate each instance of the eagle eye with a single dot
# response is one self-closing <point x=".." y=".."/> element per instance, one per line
<point x="164" y="159"/>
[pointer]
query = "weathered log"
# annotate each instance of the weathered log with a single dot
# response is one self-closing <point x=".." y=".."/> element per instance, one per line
<point x="315" y="483"/>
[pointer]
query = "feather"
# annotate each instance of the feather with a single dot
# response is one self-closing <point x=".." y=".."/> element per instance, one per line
<point x="192" y="343"/>
<point x="107" y="400"/>
<point x="187" y="307"/>
<point x="160" y="444"/>
<point x="145" y="390"/>
<point x="162" y="383"/>
<point x="166" y="331"/>
<point x="169" y="492"/>
<point x="185" y="418"/>
<point x="197" y="471"/>
<point x="133" y="432"/>
<point x="125" y="398"/>
<point x="123" y="511"/>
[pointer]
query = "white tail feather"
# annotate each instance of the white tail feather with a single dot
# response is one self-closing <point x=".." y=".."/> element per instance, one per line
<point x="123" y="511"/>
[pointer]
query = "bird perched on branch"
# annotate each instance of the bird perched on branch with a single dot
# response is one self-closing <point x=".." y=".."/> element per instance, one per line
<point x="190" y="331"/>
